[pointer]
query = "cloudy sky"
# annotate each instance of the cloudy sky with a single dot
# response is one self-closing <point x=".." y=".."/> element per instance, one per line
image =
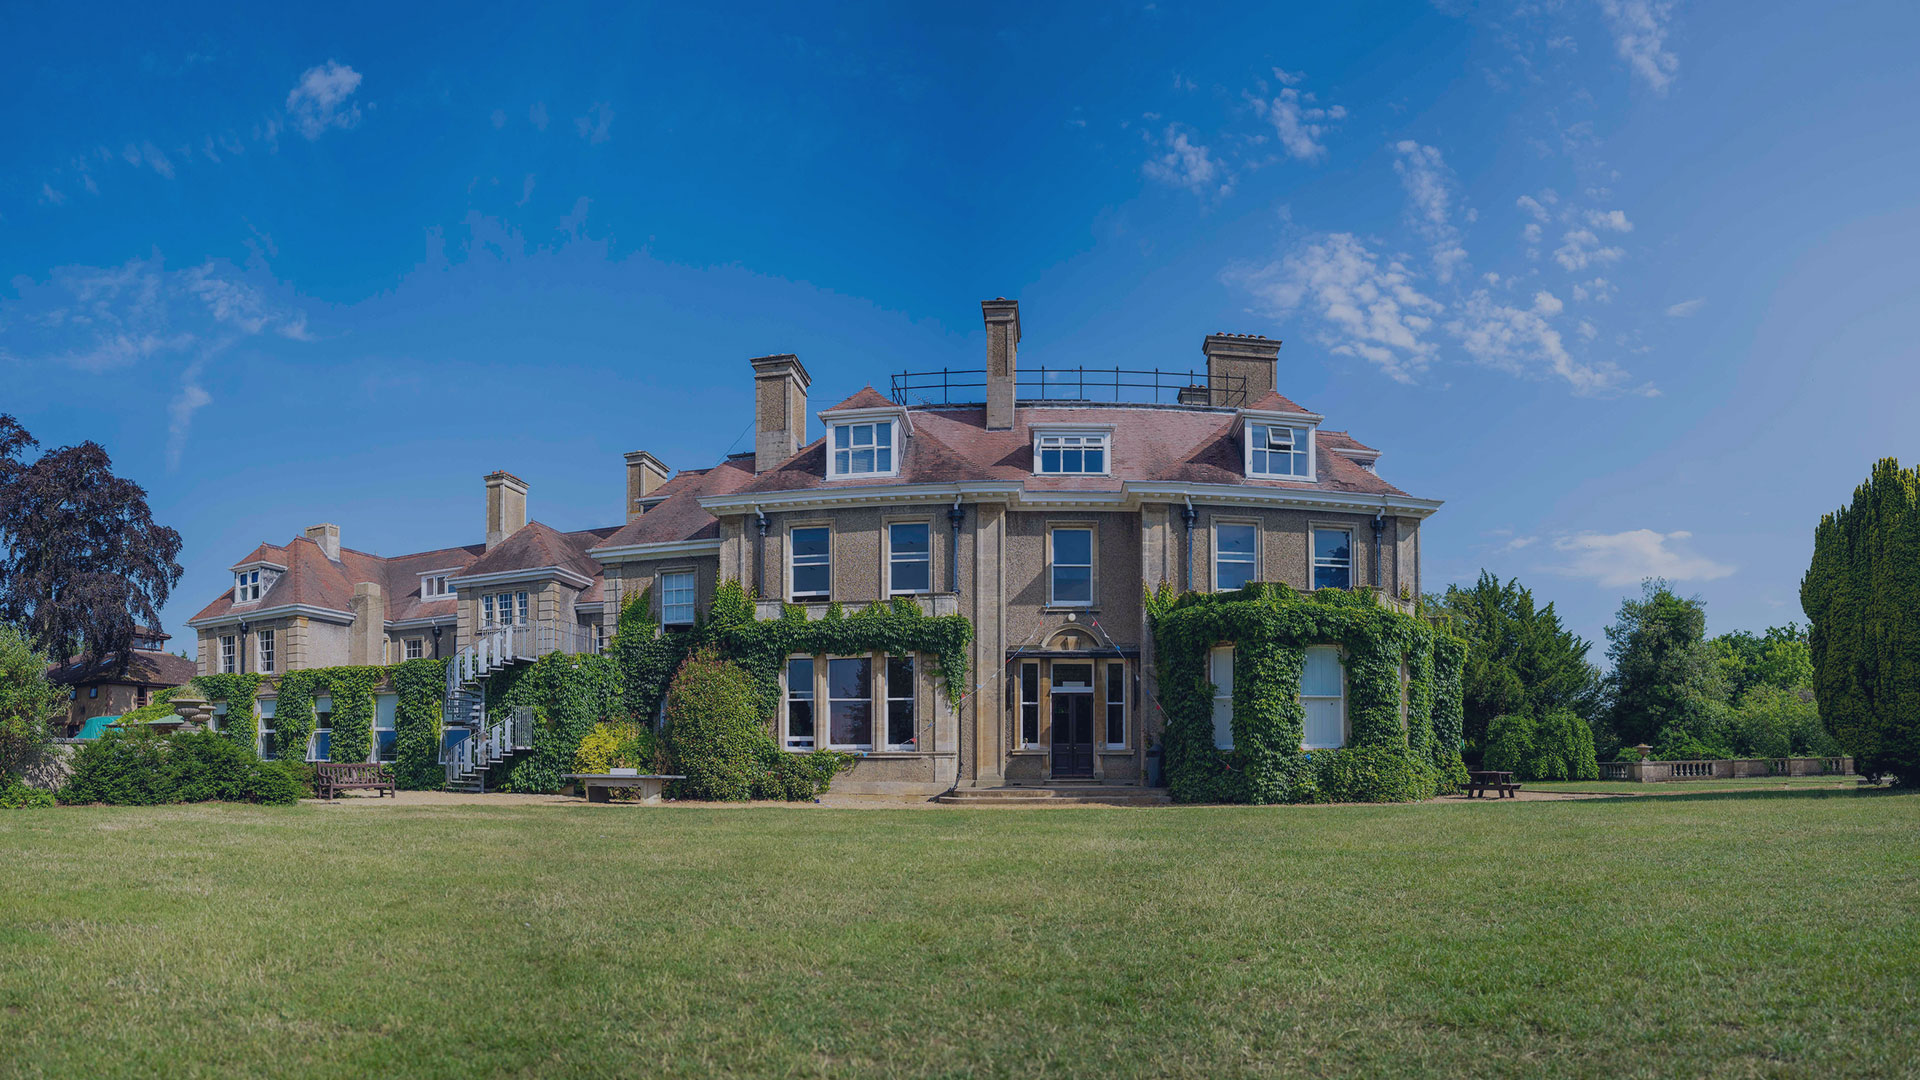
<point x="1630" y="283"/>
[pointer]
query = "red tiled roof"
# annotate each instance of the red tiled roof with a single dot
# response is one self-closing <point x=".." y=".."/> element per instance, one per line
<point x="867" y="398"/>
<point x="144" y="668"/>
<point x="678" y="515"/>
<point x="1273" y="402"/>
<point x="536" y="544"/>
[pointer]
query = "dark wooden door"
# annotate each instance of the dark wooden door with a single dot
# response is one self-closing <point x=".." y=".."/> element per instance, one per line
<point x="1072" y="734"/>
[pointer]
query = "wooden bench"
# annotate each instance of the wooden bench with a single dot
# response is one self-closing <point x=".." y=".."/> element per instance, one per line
<point x="333" y="777"/>
<point x="598" y="787"/>
<point x="1479" y="782"/>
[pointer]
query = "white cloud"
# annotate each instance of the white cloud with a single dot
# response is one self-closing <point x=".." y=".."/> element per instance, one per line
<point x="49" y="195"/>
<point x="1187" y="164"/>
<point x="1627" y="558"/>
<point x="191" y="399"/>
<point x="1298" y="119"/>
<point x="1581" y="249"/>
<point x="1524" y="341"/>
<point x="1532" y="206"/>
<point x="319" y="100"/>
<point x="1368" y="308"/>
<point x="1686" y="307"/>
<point x="538" y="115"/>
<point x="241" y="306"/>
<point x="1430" y="195"/>
<point x="595" y="126"/>
<point x="1609" y="219"/>
<point x="1599" y="290"/>
<point x="1640" y="29"/>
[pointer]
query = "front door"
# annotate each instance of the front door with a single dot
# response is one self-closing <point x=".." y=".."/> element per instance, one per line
<point x="1072" y="719"/>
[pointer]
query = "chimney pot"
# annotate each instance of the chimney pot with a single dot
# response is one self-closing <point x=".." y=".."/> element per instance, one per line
<point x="506" y="506"/>
<point x="1240" y="367"/>
<point x="328" y="537"/>
<point x="645" y="474"/>
<point x="1002" y="317"/>
<point x="779" y="409"/>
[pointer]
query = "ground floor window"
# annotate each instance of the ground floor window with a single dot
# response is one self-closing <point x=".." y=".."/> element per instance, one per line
<point x="800" y="703"/>
<point x="1116" y="734"/>
<point x="269" y="746"/>
<point x="386" y="736"/>
<point x="1323" y="682"/>
<point x="850" y="703"/>
<point x="416" y="648"/>
<point x="902" y="731"/>
<point x="870" y="703"/>
<point x="320" y="743"/>
<point x="1220" y="673"/>
<point x="1030" y="705"/>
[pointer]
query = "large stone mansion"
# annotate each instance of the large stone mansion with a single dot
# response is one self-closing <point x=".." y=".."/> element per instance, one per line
<point x="1039" y="504"/>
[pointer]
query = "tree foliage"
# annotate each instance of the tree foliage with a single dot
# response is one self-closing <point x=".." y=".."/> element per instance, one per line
<point x="1663" y="670"/>
<point x="29" y="704"/>
<point x="1519" y="658"/>
<point x="81" y="560"/>
<point x="1862" y="597"/>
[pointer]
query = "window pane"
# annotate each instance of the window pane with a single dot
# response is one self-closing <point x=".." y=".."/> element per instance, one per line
<point x="900" y="676"/>
<point x="1332" y="577"/>
<point x="883" y="461"/>
<point x="862" y="461"/>
<point x="841" y="436"/>
<point x="1229" y="574"/>
<point x="883" y="434"/>
<point x="1223" y="723"/>
<point x="1049" y="461"/>
<point x="1235" y="539"/>
<point x="1072" y="585"/>
<point x="908" y="539"/>
<point x="388" y="745"/>
<point x="1096" y="461"/>
<point x="841" y="461"/>
<point x="811" y="580"/>
<point x="269" y="745"/>
<point x="323" y="746"/>
<point x="1220" y="670"/>
<point x="909" y="576"/>
<point x="1070" y="461"/>
<point x="1321" y="676"/>
<point x="1323" y="727"/>
<point x="1116" y="704"/>
<point x="1073" y="546"/>
<point x="852" y="723"/>
<point x="1259" y="437"/>
<point x="1332" y="544"/>
<point x="850" y="678"/>
<point x="385" y="706"/>
<point x="810" y="541"/>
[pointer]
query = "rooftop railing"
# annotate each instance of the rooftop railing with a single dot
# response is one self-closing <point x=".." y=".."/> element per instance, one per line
<point x="1075" y="384"/>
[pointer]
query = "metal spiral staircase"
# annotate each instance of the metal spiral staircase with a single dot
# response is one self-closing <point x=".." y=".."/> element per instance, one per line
<point x="471" y="743"/>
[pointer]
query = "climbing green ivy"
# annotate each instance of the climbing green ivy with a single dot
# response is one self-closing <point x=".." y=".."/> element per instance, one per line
<point x="1392" y="752"/>
<point x="421" y="686"/>
<point x="242" y="722"/>
<point x="351" y="690"/>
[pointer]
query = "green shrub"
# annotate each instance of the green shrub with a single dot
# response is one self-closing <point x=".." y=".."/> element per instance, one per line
<point x="16" y="795"/>
<point x="1365" y="774"/>
<point x="1676" y="744"/>
<point x="618" y="744"/>
<point x="714" y="731"/>
<point x="1562" y="749"/>
<point x="1510" y="743"/>
<point x="141" y="767"/>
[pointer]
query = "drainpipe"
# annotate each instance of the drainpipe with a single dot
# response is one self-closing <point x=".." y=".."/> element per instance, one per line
<point x="956" y="515"/>
<point x="1379" y="526"/>
<point x="760" y="555"/>
<point x="1188" y="515"/>
<point x="241" y="667"/>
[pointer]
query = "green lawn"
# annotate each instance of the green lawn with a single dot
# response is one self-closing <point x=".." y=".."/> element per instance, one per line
<point x="1737" y="935"/>
<point x="1695" y="787"/>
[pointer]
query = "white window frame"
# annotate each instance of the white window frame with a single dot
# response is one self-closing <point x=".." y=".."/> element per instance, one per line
<point x="887" y="698"/>
<point x="1341" y="661"/>
<point x="507" y="602"/>
<point x="790" y="694"/>
<point x="1068" y="440"/>
<point x="266" y="730"/>
<point x="1303" y="456"/>
<point x="313" y="740"/>
<point x="393" y="725"/>
<point x="1314" y="562"/>
<point x="1093" y="560"/>
<point x="413" y="648"/>
<point x="229" y="654"/>
<point x="825" y="560"/>
<point x="433" y="586"/>
<point x="844" y="439"/>
<point x="1025" y="703"/>
<point x="1222" y="732"/>
<point x="246" y="586"/>
<point x="828" y="661"/>
<point x="668" y="606"/>
<point x="895" y="559"/>
<point x="1109" y="672"/>
<point x="1251" y="561"/>
<point x="264" y="645"/>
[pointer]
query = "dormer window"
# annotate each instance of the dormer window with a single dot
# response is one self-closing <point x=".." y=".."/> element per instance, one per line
<point x="1071" y="453"/>
<point x="1279" y="451"/>
<point x="863" y="449"/>
<point x="434" y="586"/>
<point x="246" y="586"/>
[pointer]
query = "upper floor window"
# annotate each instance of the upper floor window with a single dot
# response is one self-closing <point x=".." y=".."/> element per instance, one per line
<point x="1071" y="453"/>
<point x="909" y="558"/>
<point x="1275" y="450"/>
<point x="434" y="586"/>
<point x="864" y="449"/>
<point x="1234" y="561"/>
<point x="676" y="598"/>
<point x="503" y="609"/>
<point x="229" y="656"/>
<point x="1070" y="569"/>
<point x="267" y="652"/>
<point x="1323" y="685"/>
<point x="810" y="563"/>
<point x="246" y="586"/>
<point x="1332" y="559"/>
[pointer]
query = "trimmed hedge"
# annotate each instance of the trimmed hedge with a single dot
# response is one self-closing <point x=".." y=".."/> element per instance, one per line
<point x="1557" y="746"/>
<point x="141" y="767"/>
<point x="1404" y="736"/>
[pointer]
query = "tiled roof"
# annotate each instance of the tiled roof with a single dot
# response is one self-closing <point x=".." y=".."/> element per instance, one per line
<point x="867" y="398"/>
<point x="143" y="667"/>
<point x="1150" y="444"/>
<point x="1273" y="402"/>
<point x="678" y="515"/>
<point x="536" y="544"/>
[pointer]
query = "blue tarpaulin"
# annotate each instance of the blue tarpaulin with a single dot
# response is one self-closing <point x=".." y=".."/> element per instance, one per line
<point x="95" y="726"/>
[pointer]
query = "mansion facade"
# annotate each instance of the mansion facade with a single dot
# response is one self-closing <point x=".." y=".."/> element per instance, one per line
<point x="1040" y="504"/>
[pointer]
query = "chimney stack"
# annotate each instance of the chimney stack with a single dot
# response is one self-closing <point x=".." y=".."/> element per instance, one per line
<point x="644" y="475"/>
<point x="779" y="409"/>
<point x="506" y="506"/>
<point x="1240" y="367"/>
<point x="1003" y="339"/>
<point x="328" y="537"/>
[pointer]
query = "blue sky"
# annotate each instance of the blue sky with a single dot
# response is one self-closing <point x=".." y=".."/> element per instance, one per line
<point x="1629" y="283"/>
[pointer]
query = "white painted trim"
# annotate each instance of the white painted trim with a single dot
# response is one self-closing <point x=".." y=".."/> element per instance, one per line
<point x="661" y="550"/>
<point x="311" y="612"/>
<point x="854" y="495"/>
<point x="1132" y="493"/>
<point x="257" y="564"/>
<point x="536" y="573"/>
<point x="1313" y="452"/>
<point x="896" y="440"/>
<point x="1343" y="501"/>
<point x="424" y="622"/>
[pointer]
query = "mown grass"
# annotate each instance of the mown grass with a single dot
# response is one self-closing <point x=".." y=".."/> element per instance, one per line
<point x="1732" y="935"/>
<point x="1685" y="787"/>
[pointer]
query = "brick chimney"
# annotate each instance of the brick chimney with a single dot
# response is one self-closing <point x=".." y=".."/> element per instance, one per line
<point x="779" y="409"/>
<point x="644" y="475"/>
<point x="366" y="638"/>
<point x="1003" y="339"/>
<point x="506" y="506"/>
<point x="1240" y="367"/>
<point x="328" y="537"/>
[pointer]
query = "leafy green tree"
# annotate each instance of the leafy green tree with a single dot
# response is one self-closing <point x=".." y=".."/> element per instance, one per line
<point x="1665" y="683"/>
<point x="1519" y="658"/>
<point x="1779" y="658"/>
<point x="1773" y="721"/>
<point x="29" y="704"/>
<point x="1862" y="596"/>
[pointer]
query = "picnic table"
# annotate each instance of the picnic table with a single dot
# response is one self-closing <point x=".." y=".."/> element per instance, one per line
<point x="598" y="787"/>
<point x="1480" y="781"/>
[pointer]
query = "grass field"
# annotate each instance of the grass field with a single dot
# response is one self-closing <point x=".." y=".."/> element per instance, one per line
<point x="1747" y="934"/>
<point x="1695" y="787"/>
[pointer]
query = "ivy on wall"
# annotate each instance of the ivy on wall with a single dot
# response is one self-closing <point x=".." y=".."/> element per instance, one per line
<point x="242" y="722"/>
<point x="568" y="695"/>
<point x="351" y="690"/>
<point x="421" y="686"/>
<point x="1390" y="754"/>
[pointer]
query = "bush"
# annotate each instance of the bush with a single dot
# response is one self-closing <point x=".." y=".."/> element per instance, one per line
<point x="1675" y="744"/>
<point x="1510" y="743"/>
<point x="141" y="767"/>
<point x="29" y="704"/>
<point x="16" y="795"/>
<point x="618" y="744"/>
<point x="1558" y="746"/>
<point x="1364" y="774"/>
<point x="715" y="738"/>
